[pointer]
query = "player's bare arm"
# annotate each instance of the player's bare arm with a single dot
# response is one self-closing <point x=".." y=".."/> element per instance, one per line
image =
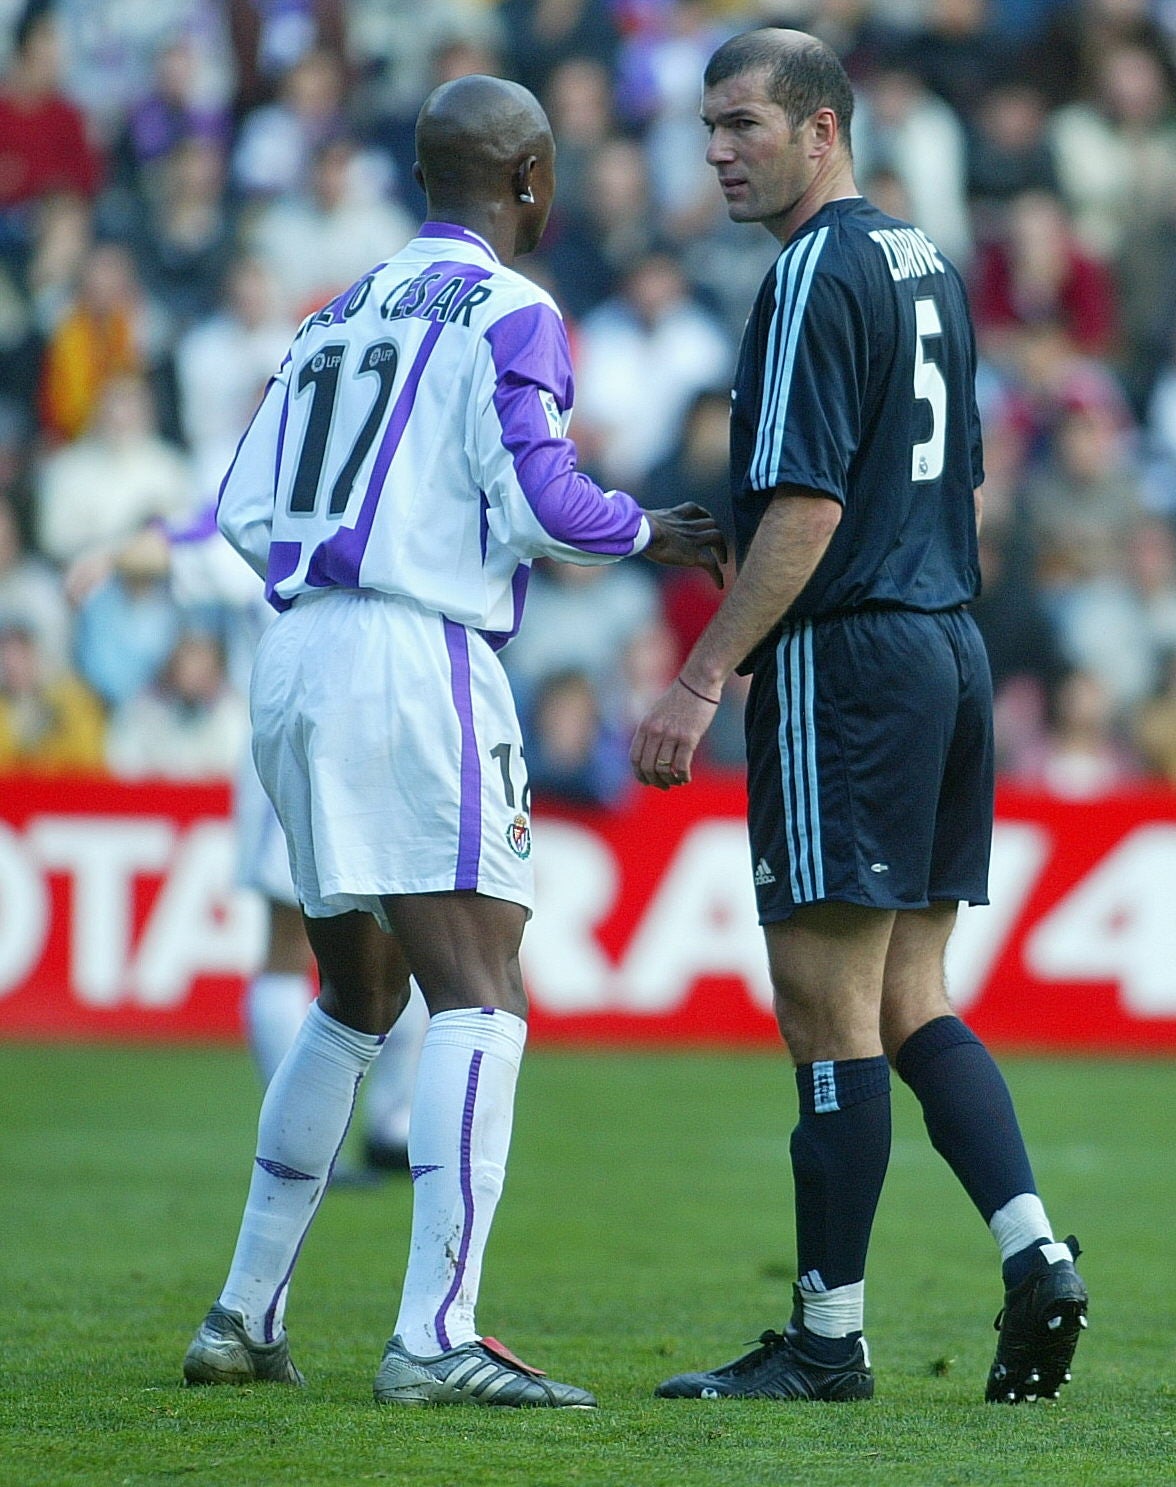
<point x="789" y="543"/>
<point x="687" y="536"/>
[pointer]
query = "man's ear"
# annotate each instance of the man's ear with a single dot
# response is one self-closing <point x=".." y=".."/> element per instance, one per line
<point x="826" y="130"/>
<point x="521" y="179"/>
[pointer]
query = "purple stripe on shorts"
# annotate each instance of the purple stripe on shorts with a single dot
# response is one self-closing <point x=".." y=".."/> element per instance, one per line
<point x="336" y="562"/>
<point x="469" y="831"/>
<point x="271" y="1310"/>
<point x="467" y="1199"/>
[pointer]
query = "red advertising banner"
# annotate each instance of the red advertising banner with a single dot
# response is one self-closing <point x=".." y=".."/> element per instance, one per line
<point x="119" y="919"/>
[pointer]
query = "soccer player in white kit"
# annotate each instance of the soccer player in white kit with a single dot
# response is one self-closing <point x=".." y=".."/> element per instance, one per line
<point x="406" y="464"/>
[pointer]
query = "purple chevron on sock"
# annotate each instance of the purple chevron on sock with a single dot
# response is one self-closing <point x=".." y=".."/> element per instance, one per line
<point x="279" y="1169"/>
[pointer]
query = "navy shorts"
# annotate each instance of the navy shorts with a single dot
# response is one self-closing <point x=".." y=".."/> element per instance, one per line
<point x="869" y="756"/>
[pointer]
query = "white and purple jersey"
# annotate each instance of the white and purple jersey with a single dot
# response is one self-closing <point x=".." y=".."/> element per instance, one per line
<point x="413" y="443"/>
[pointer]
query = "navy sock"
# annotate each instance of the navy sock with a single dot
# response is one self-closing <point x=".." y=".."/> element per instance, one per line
<point x="840" y="1149"/>
<point x="968" y="1112"/>
<point x="1014" y="1270"/>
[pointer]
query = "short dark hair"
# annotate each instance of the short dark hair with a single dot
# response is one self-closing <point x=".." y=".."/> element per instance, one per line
<point x="36" y="14"/>
<point x="801" y="78"/>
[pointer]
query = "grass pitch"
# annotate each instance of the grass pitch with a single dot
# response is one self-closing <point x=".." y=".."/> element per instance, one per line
<point x="645" y="1228"/>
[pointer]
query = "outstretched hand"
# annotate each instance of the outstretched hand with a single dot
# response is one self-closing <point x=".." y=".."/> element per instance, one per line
<point x="687" y="536"/>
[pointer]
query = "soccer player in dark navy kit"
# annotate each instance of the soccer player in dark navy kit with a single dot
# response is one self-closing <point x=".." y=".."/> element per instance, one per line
<point x="855" y="465"/>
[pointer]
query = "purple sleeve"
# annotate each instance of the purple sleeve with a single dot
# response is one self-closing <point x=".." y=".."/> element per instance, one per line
<point x="533" y="390"/>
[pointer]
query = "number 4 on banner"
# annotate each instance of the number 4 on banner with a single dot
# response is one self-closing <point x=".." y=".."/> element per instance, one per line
<point x="1118" y="925"/>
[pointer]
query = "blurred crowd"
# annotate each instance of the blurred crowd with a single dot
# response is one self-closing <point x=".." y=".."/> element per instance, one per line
<point x="180" y="182"/>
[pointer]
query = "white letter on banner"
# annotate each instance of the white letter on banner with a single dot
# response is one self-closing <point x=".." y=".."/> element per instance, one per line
<point x="1019" y="848"/>
<point x="199" y="925"/>
<point x="575" y="889"/>
<point x="1118" y="924"/>
<point x="24" y="911"/>
<point x="104" y="854"/>
<point x="702" y="922"/>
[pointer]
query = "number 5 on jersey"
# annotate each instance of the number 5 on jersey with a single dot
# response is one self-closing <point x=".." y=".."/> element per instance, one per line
<point x="927" y="458"/>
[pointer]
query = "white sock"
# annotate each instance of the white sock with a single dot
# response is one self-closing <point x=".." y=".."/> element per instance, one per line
<point x="457" y="1146"/>
<point x="387" y="1095"/>
<point x="275" y="1004"/>
<point x="1019" y="1224"/>
<point x="834" y="1313"/>
<point x="304" y="1118"/>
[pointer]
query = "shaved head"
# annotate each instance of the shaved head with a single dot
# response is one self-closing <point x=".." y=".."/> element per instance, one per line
<point x="471" y="136"/>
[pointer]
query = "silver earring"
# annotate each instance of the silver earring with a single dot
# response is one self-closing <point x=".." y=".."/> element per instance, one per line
<point x="528" y="196"/>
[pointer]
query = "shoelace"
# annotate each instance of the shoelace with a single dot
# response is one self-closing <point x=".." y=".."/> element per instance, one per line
<point x="769" y="1342"/>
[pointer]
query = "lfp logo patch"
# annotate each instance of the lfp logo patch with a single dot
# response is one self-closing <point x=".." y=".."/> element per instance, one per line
<point x="518" y="836"/>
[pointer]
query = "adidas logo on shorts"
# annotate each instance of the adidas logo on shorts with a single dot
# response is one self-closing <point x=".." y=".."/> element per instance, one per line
<point x="763" y="873"/>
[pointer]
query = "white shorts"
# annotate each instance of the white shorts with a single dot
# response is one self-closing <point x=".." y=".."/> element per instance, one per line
<point x="387" y="738"/>
<point x="263" y="861"/>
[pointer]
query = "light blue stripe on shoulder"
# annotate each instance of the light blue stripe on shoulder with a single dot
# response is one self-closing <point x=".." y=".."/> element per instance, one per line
<point x="801" y="263"/>
<point x="785" y="280"/>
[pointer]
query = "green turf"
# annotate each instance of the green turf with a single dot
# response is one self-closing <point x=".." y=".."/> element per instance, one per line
<point x="645" y="1229"/>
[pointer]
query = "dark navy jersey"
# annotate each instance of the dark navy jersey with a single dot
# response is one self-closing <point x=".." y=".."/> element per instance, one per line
<point x="856" y="379"/>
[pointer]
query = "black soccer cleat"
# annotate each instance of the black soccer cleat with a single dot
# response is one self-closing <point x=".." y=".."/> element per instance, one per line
<point x="1039" y="1325"/>
<point x="778" y="1369"/>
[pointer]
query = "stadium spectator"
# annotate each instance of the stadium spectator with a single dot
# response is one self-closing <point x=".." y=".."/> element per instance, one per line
<point x="100" y="336"/>
<point x="578" y="618"/>
<point x="657" y="91"/>
<point x="190" y="724"/>
<point x="45" y="147"/>
<point x="1009" y="149"/>
<point x="31" y="590"/>
<point x="588" y="252"/>
<point x="111" y="54"/>
<point x="178" y="106"/>
<point x="906" y="129"/>
<point x="574" y="754"/>
<point x="223" y="363"/>
<point x="1083" y="754"/>
<point x="184" y="240"/>
<point x="126" y="625"/>
<point x="1116" y="150"/>
<point x="1089" y="487"/>
<point x="50" y="722"/>
<point x="579" y="104"/>
<point x="643" y="355"/>
<point x="277" y="141"/>
<point x="318" y="244"/>
<point x="1035" y="271"/>
<point x="269" y="40"/>
<point x="960" y="54"/>
<point x="1155" y="725"/>
<point x="539" y="35"/>
<point x="1117" y="165"/>
<point x="121" y="473"/>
